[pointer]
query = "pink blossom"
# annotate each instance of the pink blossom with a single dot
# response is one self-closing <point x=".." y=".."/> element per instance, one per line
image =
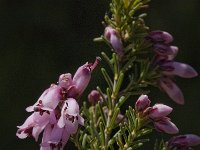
<point x="82" y="78"/>
<point x="172" y="90"/>
<point x="34" y="125"/>
<point x="65" y="80"/>
<point x="164" y="49"/>
<point x="183" y="142"/>
<point x="179" y="69"/>
<point x="142" y="103"/>
<point x="159" y="111"/>
<point x="54" y="138"/>
<point x="175" y="52"/>
<point x="165" y="125"/>
<point x="114" y="39"/>
<point x="94" y="97"/>
<point x="56" y="135"/>
<point x="164" y="59"/>
<point x="160" y="36"/>
<point x="56" y="112"/>
<point x="70" y="117"/>
<point x="48" y="100"/>
<point x="156" y="114"/>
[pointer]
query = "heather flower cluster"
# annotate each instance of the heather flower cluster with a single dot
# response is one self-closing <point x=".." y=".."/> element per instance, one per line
<point x="165" y="54"/>
<point x="156" y="114"/>
<point x="56" y="113"/>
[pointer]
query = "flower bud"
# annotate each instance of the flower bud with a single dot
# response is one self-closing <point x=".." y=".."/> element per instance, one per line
<point x="165" y="125"/>
<point x="82" y="78"/>
<point x="183" y="141"/>
<point x="65" y="80"/>
<point x="175" y="52"/>
<point x="114" y="39"/>
<point x="159" y="111"/>
<point x="164" y="49"/>
<point x="179" y="69"/>
<point x="94" y="97"/>
<point x="142" y="103"/>
<point x="160" y="36"/>
<point x="172" y="90"/>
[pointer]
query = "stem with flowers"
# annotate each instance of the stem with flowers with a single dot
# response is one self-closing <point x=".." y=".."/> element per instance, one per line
<point x="140" y="58"/>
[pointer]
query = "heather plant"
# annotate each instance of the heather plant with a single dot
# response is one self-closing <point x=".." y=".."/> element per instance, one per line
<point x="140" y="58"/>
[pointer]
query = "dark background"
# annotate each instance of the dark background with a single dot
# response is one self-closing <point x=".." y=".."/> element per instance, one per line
<point x="41" y="39"/>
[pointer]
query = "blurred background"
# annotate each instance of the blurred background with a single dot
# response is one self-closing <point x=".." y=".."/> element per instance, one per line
<point x="40" y="39"/>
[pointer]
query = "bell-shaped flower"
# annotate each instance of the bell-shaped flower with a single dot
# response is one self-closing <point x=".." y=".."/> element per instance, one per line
<point x="45" y="138"/>
<point x="183" y="142"/>
<point x="160" y="36"/>
<point x="82" y="78"/>
<point x="94" y="97"/>
<point x="179" y="69"/>
<point x="34" y="125"/>
<point x="65" y="80"/>
<point x="113" y="38"/>
<point x="54" y="138"/>
<point x="159" y="110"/>
<point x="166" y="126"/>
<point x="142" y="103"/>
<point x="172" y="90"/>
<point x="48" y="100"/>
<point x="70" y="117"/>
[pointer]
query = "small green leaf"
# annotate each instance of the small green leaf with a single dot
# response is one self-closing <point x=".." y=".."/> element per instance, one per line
<point x="107" y="78"/>
<point x="102" y="113"/>
<point x="114" y="118"/>
<point x="107" y="59"/>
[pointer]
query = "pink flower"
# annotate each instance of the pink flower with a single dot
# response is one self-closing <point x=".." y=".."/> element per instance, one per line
<point x="48" y="100"/>
<point x="164" y="59"/>
<point x="159" y="111"/>
<point x="70" y="117"/>
<point x="172" y="90"/>
<point x="175" y="52"/>
<point x="114" y="39"/>
<point x="164" y="49"/>
<point x="94" y="97"/>
<point x="142" y="103"/>
<point x="34" y="125"/>
<point x="156" y="114"/>
<point x="82" y="78"/>
<point x="183" y="142"/>
<point x="65" y="80"/>
<point x="160" y="36"/>
<point x="54" y="138"/>
<point x="56" y="112"/>
<point x="179" y="69"/>
<point x="165" y="125"/>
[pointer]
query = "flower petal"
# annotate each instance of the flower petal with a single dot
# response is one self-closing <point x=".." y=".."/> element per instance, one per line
<point x="159" y="111"/>
<point x="179" y="69"/>
<point x="160" y="36"/>
<point x="172" y="90"/>
<point x="165" y="125"/>
<point x="142" y="103"/>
